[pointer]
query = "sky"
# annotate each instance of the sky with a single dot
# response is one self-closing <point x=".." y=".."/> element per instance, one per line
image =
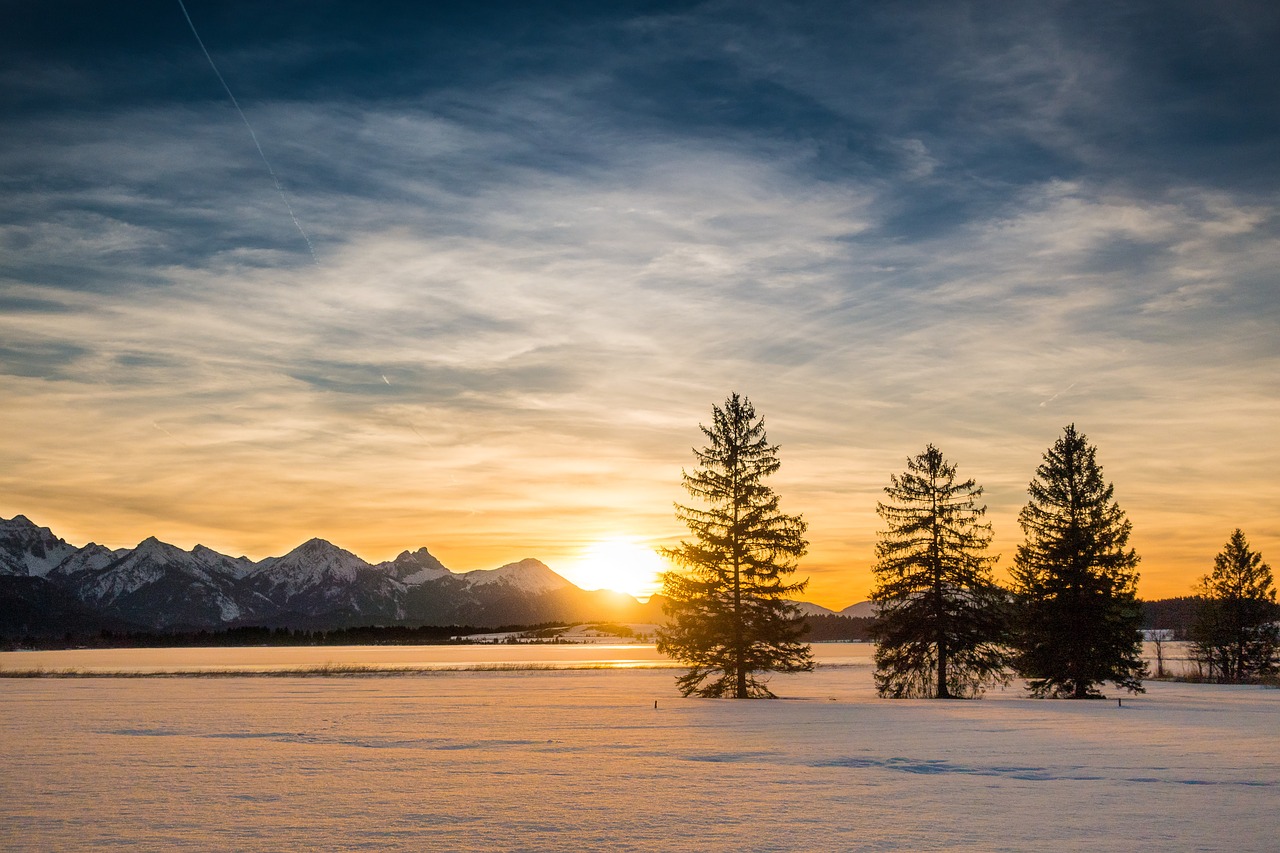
<point x="469" y="276"/>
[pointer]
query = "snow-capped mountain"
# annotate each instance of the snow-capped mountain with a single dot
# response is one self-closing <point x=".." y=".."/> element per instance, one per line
<point x="221" y="563"/>
<point x="26" y="549"/>
<point x="314" y="563"/>
<point x="527" y="576"/>
<point x="89" y="558"/>
<point x="162" y="585"/>
<point x="144" y="565"/>
<point x="320" y="580"/>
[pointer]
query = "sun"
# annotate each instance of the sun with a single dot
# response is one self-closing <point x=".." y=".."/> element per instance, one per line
<point x="621" y="564"/>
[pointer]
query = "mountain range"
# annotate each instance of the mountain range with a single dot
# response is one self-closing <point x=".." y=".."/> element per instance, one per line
<point x="48" y="586"/>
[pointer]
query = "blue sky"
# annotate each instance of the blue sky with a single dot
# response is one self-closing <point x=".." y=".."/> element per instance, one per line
<point x="547" y="237"/>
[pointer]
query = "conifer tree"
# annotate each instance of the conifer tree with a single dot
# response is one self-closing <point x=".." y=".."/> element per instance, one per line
<point x="941" y="624"/>
<point x="1075" y="580"/>
<point x="729" y="618"/>
<point x="1235" y="631"/>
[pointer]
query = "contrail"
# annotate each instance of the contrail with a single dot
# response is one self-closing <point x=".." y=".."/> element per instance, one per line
<point x="253" y="135"/>
<point x="1059" y="394"/>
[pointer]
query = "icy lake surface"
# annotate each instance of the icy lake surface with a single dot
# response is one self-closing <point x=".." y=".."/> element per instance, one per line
<point x="277" y="658"/>
<point x="576" y="759"/>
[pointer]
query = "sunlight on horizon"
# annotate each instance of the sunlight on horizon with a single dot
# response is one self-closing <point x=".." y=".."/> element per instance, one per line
<point x="618" y="563"/>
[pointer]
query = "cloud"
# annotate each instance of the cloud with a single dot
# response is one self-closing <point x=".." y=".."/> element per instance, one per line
<point x="537" y="274"/>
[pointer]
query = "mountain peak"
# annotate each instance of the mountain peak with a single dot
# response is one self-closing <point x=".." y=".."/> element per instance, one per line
<point x="217" y="561"/>
<point x="527" y="575"/>
<point x="29" y="549"/>
<point x="316" y="545"/>
<point x="90" y="557"/>
<point x="309" y="562"/>
<point x="420" y="555"/>
<point x="152" y="548"/>
<point x="20" y="525"/>
<point x="415" y="567"/>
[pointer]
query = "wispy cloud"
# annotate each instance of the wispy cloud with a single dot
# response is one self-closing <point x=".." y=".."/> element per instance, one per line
<point x="532" y="285"/>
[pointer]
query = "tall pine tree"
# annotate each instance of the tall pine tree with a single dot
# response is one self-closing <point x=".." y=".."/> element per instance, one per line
<point x="941" y="624"/>
<point x="1075" y="580"/>
<point x="729" y="618"/>
<point x="1235" y="632"/>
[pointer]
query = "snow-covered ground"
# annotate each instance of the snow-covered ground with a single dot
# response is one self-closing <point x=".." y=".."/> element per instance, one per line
<point x="578" y="760"/>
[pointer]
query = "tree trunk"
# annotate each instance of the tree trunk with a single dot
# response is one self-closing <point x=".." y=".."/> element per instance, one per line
<point x="739" y="641"/>
<point x="943" y="693"/>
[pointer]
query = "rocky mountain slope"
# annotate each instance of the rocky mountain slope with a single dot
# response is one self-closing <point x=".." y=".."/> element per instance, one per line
<point x="28" y="550"/>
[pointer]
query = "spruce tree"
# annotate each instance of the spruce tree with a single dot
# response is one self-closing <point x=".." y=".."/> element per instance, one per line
<point x="729" y="618"/>
<point x="941" y="622"/>
<point x="1235" y="632"/>
<point x="1075" y="580"/>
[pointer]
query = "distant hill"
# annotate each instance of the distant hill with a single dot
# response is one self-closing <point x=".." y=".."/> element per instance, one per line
<point x="809" y="609"/>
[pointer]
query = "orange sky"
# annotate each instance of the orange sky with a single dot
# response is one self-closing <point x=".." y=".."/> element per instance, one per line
<point x="501" y="494"/>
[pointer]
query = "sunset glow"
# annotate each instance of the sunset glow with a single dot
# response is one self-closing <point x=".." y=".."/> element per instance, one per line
<point x="619" y="564"/>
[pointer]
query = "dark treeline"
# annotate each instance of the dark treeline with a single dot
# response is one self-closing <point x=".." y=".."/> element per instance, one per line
<point x="835" y="628"/>
<point x="1179" y="615"/>
<point x="369" y="635"/>
<point x="1172" y="614"/>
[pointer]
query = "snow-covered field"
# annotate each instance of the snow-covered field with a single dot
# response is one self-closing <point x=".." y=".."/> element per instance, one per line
<point x="581" y="759"/>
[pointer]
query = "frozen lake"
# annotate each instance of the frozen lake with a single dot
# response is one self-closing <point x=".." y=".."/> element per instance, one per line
<point x="530" y="655"/>
<point x="577" y="759"/>
<point x="276" y="658"/>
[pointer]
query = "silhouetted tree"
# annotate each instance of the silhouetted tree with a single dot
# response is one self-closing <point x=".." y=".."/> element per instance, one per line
<point x="941" y="624"/>
<point x="729" y="617"/>
<point x="1235" y="633"/>
<point x="1075" y="580"/>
